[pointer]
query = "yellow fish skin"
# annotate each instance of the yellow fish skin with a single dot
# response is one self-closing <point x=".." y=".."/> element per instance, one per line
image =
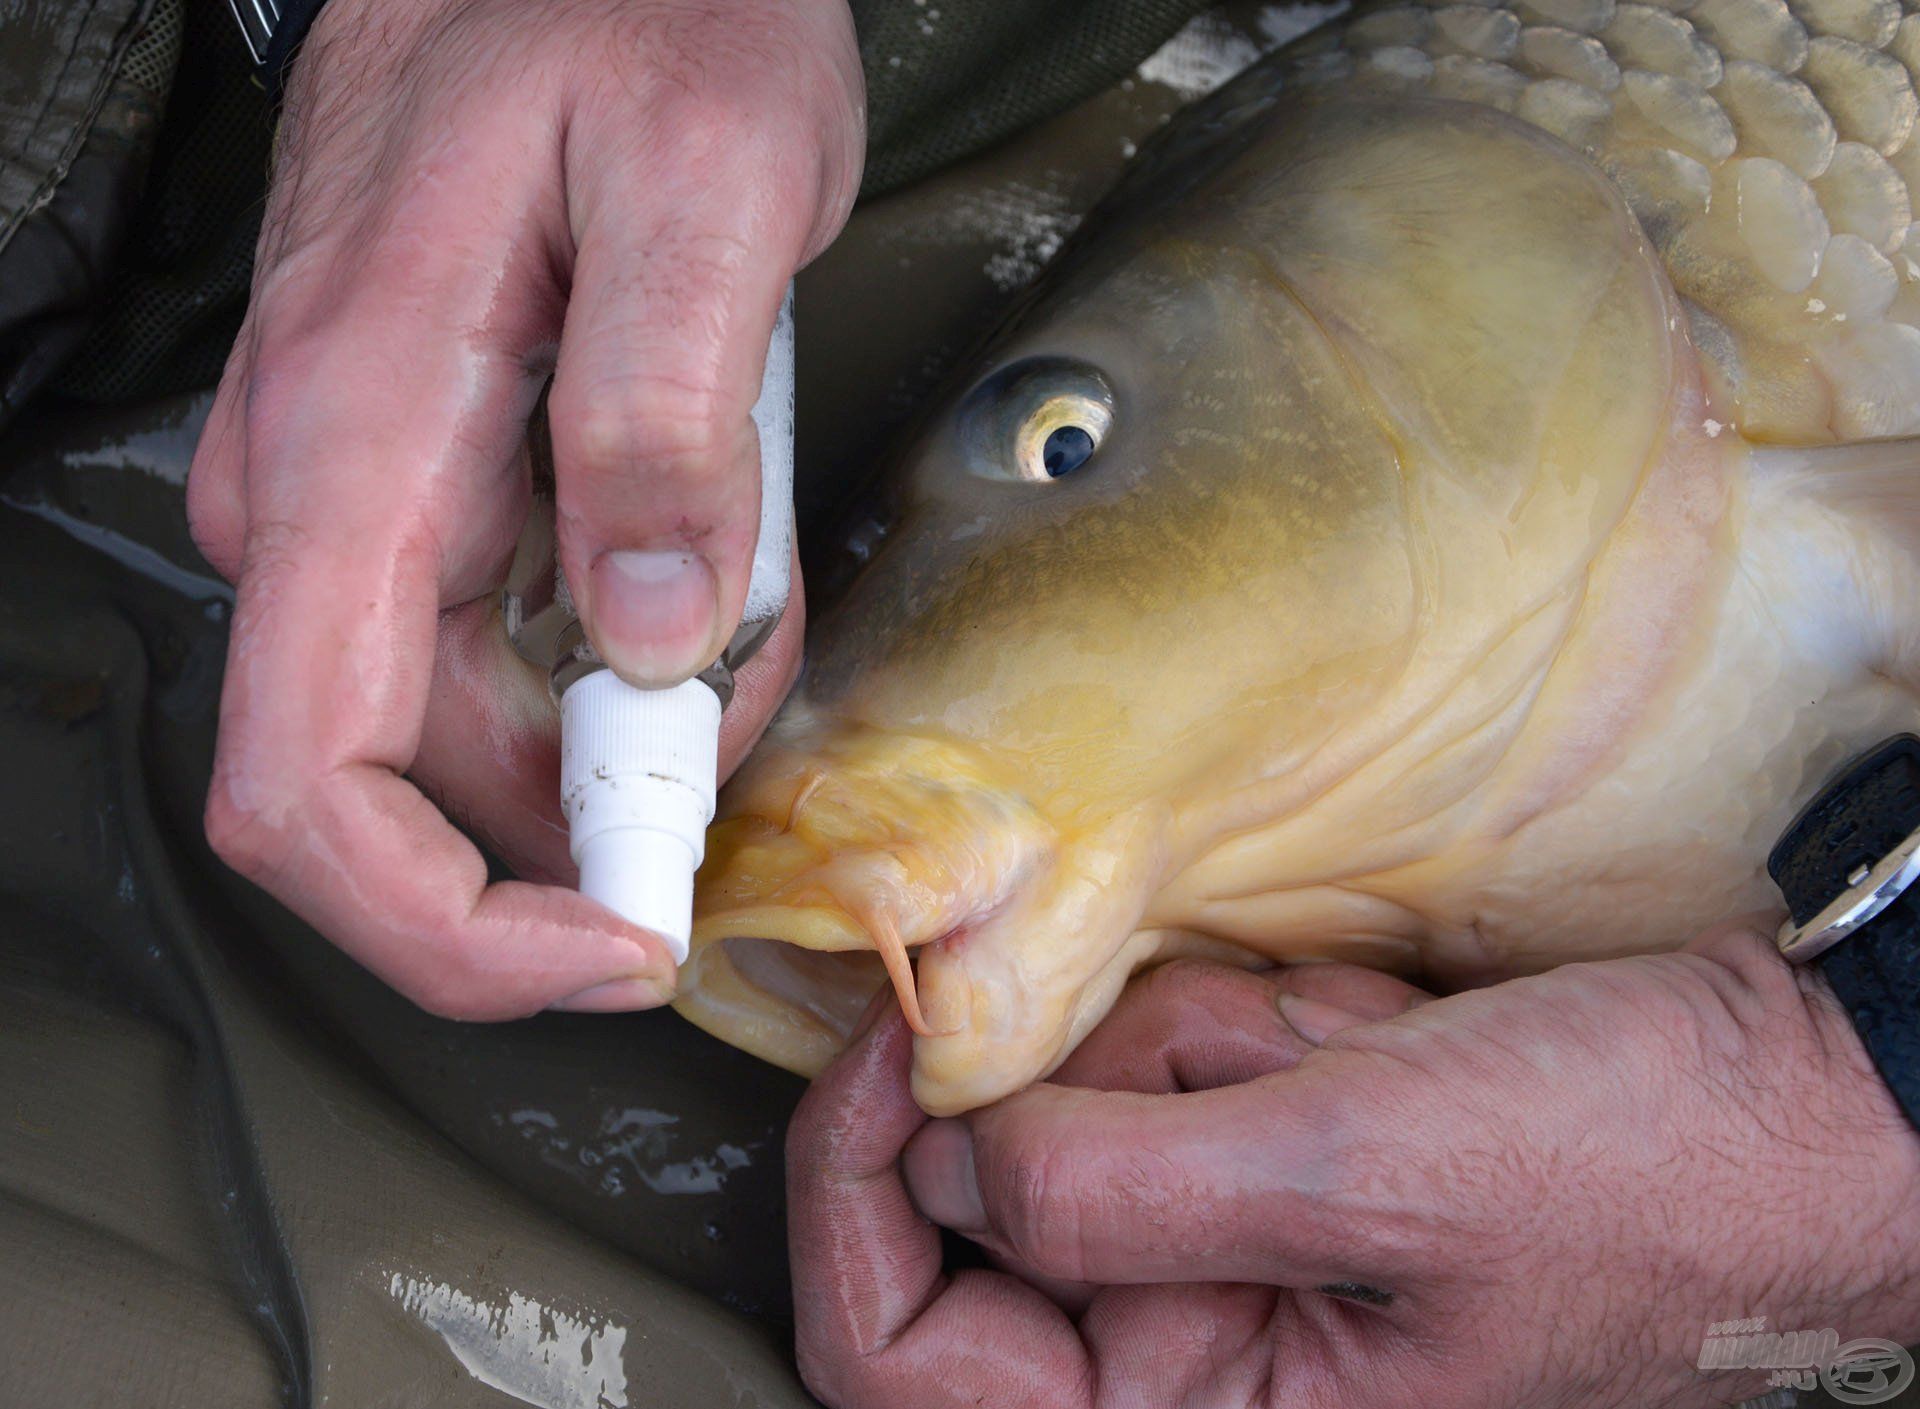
<point x="1442" y="513"/>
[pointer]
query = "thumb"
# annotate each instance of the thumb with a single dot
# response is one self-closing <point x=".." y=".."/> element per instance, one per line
<point x="656" y="459"/>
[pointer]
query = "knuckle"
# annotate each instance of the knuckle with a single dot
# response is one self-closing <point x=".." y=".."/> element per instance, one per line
<point x="333" y="324"/>
<point x="840" y="1376"/>
<point x="688" y="92"/>
<point x="291" y="310"/>
<point x="243" y="828"/>
<point x="1374" y="1220"/>
<point x="1023" y="1202"/>
<point x="731" y="77"/>
<point x="725" y="122"/>
<point x="216" y="478"/>
<point x="275" y="387"/>
<point x="651" y="421"/>
<point x="215" y="519"/>
<point x="821" y="1371"/>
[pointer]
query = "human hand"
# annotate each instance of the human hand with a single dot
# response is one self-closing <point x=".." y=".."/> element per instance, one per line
<point x="1540" y="1193"/>
<point x="463" y="187"/>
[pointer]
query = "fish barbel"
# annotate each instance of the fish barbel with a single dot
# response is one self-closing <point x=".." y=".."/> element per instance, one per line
<point x="1445" y="511"/>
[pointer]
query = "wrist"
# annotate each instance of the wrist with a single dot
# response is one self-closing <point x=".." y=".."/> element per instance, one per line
<point x="1866" y="1179"/>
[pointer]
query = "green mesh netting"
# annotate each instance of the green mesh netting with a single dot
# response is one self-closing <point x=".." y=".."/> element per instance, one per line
<point x="175" y="303"/>
<point x="154" y="53"/>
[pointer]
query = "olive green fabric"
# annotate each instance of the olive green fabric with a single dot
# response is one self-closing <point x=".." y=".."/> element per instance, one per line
<point x="236" y="1170"/>
<point x="165" y="321"/>
<point x="945" y="78"/>
<point x="82" y="86"/>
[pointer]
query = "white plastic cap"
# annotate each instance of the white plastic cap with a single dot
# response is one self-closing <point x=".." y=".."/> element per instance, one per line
<point x="637" y="774"/>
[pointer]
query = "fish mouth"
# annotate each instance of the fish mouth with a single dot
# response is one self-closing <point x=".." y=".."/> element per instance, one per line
<point x="835" y="855"/>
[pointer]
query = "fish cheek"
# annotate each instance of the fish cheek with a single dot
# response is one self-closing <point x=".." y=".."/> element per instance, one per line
<point x="1091" y="648"/>
<point x="1243" y="537"/>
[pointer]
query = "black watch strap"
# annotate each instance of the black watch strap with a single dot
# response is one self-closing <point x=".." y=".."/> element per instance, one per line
<point x="273" y="29"/>
<point x="1844" y="866"/>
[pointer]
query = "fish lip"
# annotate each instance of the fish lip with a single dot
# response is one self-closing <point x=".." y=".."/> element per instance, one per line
<point x="748" y="982"/>
<point x="871" y="922"/>
<point x="1003" y="1011"/>
<point x="859" y="841"/>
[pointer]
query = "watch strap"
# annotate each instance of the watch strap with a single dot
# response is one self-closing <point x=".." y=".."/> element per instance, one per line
<point x="273" y="30"/>
<point x="1863" y="816"/>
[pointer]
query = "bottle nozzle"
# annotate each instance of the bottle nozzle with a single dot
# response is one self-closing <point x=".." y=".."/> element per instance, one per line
<point x="637" y="771"/>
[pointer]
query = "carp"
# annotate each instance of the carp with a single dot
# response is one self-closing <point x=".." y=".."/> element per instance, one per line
<point x="1446" y="510"/>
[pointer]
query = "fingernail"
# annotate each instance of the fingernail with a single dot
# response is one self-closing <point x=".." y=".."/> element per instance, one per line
<point x="653" y="613"/>
<point x="619" y="995"/>
<point x="938" y="1166"/>
<point x="1313" y="1020"/>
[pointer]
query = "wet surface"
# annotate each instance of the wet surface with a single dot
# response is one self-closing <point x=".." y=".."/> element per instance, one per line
<point x="214" y="1118"/>
<point x="234" y="1168"/>
<point x="617" y="1123"/>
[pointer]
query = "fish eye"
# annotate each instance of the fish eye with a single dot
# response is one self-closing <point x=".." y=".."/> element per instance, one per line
<point x="1066" y="450"/>
<point x="1059" y="436"/>
<point x="1036" y="421"/>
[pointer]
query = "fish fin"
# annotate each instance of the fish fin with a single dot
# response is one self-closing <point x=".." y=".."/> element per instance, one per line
<point x="1879" y="479"/>
<point x="1853" y="568"/>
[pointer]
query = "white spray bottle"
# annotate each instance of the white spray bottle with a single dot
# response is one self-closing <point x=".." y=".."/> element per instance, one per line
<point x="638" y="768"/>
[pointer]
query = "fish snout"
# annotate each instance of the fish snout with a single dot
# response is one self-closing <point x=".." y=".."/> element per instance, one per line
<point x="834" y="857"/>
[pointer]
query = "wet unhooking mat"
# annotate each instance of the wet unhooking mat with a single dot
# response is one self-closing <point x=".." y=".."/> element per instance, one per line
<point x="234" y="1170"/>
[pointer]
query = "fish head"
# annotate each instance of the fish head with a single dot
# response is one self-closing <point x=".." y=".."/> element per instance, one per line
<point x="1220" y="584"/>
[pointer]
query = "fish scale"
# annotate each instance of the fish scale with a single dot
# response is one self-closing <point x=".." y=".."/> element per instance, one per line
<point x="1768" y="149"/>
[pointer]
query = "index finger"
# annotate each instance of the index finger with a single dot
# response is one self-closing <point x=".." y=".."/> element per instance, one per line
<point x="877" y="1322"/>
<point x="685" y="239"/>
<point x="327" y="681"/>
<point x="1273" y="1181"/>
